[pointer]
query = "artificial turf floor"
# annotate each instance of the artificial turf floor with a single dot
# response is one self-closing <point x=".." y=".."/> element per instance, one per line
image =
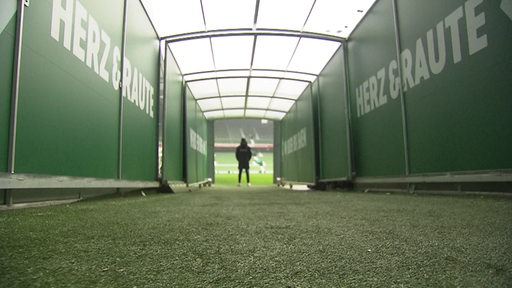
<point x="260" y="236"/>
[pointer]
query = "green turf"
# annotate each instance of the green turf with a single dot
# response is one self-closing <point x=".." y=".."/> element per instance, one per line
<point x="256" y="179"/>
<point x="260" y="237"/>
<point x="226" y="161"/>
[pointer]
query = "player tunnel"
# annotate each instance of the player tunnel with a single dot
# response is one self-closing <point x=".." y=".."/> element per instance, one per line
<point x="96" y="99"/>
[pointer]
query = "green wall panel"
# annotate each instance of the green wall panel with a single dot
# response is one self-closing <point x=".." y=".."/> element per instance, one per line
<point x="307" y="161"/>
<point x="210" y="156"/>
<point x="277" y="149"/>
<point x="173" y="141"/>
<point x="202" y="145"/>
<point x="375" y="105"/>
<point x="190" y="125"/>
<point x="140" y="107"/>
<point x="7" y="39"/>
<point x="298" y="141"/>
<point x="289" y="162"/>
<point x="458" y="100"/>
<point x="69" y="94"/>
<point x="197" y="137"/>
<point x="331" y="89"/>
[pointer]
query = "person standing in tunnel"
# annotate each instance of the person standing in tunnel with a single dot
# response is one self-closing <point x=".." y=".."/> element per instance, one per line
<point x="243" y="155"/>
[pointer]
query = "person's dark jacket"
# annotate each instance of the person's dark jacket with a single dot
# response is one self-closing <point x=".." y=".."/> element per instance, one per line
<point x="243" y="155"/>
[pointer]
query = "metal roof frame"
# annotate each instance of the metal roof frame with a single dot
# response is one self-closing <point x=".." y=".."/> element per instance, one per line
<point x="250" y="32"/>
<point x="289" y="65"/>
<point x="243" y="72"/>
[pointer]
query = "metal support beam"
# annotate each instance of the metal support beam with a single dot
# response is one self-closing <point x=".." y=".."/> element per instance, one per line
<point x="15" y="87"/>
<point x="348" y="117"/>
<point x="121" y="98"/>
<point x="184" y="147"/>
<point x="7" y="199"/>
<point x="317" y="131"/>
<point x="162" y="137"/>
<point x="401" y="90"/>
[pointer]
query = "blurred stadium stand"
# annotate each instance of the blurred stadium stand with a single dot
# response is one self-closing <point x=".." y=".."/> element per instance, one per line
<point x="260" y="135"/>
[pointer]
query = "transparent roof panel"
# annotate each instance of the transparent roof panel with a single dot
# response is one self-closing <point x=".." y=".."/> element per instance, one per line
<point x="232" y="86"/>
<point x="274" y="52"/>
<point x="286" y="14"/>
<point x="252" y="58"/>
<point x="193" y="55"/>
<point x="338" y="17"/>
<point x="280" y="104"/>
<point x="233" y="102"/>
<point x="258" y="102"/>
<point x="234" y="113"/>
<point x="290" y="89"/>
<point x="312" y="55"/>
<point x="274" y="115"/>
<point x="233" y="52"/>
<point x="263" y="86"/>
<point x="210" y="104"/>
<point x="204" y="88"/>
<point x="214" y="114"/>
<point x="240" y="13"/>
<point x="255" y="113"/>
<point x="169" y="17"/>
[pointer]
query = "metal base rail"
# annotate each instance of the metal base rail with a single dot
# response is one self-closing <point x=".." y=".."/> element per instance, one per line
<point x="499" y="181"/>
<point x="29" y="181"/>
<point x="487" y="182"/>
<point x="281" y="182"/>
<point x="203" y="183"/>
<point x="12" y="182"/>
<point x="467" y="177"/>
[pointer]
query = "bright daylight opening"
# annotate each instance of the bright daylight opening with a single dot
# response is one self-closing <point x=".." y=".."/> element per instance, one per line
<point x="260" y="138"/>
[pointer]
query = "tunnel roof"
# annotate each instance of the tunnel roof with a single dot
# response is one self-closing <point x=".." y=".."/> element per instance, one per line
<point x="252" y="58"/>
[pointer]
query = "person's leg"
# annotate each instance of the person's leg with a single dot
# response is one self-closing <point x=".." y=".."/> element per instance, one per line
<point x="247" y="176"/>
<point x="239" y="175"/>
